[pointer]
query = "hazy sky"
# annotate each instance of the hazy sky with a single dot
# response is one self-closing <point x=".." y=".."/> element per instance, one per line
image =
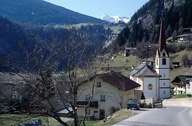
<point x="99" y="8"/>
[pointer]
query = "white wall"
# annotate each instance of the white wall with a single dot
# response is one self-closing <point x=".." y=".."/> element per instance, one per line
<point x="112" y="95"/>
<point x="164" y="93"/>
<point x="189" y="88"/>
<point x="164" y="72"/>
<point x="151" y="93"/>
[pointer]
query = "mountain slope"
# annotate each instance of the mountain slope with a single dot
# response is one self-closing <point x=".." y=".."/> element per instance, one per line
<point x="22" y="47"/>
<point x="41" y="12"/>
<point x="144" y="24"/>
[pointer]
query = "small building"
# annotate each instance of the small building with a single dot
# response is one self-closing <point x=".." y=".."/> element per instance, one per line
<point x="129" y="51"/>
<point x="182" y="84"/>
<point x="148" y="78"/>
<point x="175" y="64"/>
<point x="185" y="37"/>
<point x="107" y="93"/>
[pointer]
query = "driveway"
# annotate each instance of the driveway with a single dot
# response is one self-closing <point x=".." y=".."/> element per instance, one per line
<point x="177" y="112"/>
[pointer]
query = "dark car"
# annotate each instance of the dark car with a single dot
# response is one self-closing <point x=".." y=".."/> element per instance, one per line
<point x="133" y="104"/>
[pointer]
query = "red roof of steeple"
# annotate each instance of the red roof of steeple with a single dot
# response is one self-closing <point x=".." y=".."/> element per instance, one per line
<point x="162" y="39"/>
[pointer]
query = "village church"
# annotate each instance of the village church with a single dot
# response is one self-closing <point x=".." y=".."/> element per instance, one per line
<point x="155" y="79"/>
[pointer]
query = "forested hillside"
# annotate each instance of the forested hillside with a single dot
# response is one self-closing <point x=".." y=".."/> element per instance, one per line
<point x="41" y="12"/>
<point x="144" y="24"/>
<point x="23" y="46"/>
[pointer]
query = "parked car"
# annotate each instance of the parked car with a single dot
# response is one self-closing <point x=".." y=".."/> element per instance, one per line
<point x="133" y="104"/>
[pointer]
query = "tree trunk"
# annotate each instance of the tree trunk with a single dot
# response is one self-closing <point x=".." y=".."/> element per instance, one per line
<point x="60" y="121"/>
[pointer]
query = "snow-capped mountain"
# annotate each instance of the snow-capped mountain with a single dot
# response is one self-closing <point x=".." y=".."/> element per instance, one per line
<point x="115" y="19"/>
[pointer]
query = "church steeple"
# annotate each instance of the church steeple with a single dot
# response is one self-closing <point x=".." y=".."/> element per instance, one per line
<point x="162" y="59"/>
<point x="162" y="39"/>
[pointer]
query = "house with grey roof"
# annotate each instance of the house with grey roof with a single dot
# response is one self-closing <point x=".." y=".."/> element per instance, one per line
<point x="105" y="93"/>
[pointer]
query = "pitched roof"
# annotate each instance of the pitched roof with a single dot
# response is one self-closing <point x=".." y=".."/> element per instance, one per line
<point x="144" y="70"/>
<point x="117" y="80"/>
<point x="182" y="80"/>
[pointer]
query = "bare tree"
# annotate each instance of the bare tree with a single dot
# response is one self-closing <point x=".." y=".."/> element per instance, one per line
<point x="47" y="91"/>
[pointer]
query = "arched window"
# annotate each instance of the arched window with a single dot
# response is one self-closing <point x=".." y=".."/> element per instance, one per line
<point x="164" y="54"/>
<point x="164" y="61"/>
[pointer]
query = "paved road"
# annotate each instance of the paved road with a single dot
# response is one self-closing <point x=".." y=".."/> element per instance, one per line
<point x="175" y="115"/>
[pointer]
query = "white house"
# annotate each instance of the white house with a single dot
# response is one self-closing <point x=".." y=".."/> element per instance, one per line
<point x="107" y="93"/>
<point x="182" y="84"/>
<point x="155" y="80"/>
<point x="189" y="88"/>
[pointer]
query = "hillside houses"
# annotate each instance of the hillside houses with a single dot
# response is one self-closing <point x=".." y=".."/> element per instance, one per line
<point x="182" y="84"/>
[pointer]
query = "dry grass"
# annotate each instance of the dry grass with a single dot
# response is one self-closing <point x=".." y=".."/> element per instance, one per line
<point x="14" y="120"/>
<point x="177" y="57"/>
<point x="115" y="118"/>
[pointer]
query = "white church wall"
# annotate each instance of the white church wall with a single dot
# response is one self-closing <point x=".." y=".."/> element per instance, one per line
<point x="151" y="92"/>
<point x="165" y="93"/>
<point x="164" y="83"/>
<point x="165" y="73"/>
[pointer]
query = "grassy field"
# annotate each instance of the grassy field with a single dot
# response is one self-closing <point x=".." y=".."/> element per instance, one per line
<point x="115" y="118"/>
<point x="14" y="120"/>
<point x="182" y="96"/>
<point x="118" y="63"/>
<point x="124" y="64"/>
<point x="177" y="57"/>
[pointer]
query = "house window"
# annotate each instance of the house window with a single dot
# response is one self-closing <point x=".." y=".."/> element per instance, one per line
<point x="88" y="112"/>
<point x="98" y="84"/>
<point x="164" y="61"/>
<point x="150" y="86"/>
<point x="102" y="98"/>
<point x="87" y="97"/>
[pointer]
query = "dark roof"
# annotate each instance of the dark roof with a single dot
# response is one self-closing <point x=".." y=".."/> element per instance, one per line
<point x="118" y="80"/>
<point x="182" y="79"/>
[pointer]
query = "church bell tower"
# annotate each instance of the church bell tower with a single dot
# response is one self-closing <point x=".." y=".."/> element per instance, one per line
<point x="162" y="61"/>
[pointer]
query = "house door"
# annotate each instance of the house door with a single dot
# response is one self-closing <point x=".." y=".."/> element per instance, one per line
<point x="102" y="114"/>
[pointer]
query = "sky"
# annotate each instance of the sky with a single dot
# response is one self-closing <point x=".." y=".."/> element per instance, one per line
<point x="100" y="8"/>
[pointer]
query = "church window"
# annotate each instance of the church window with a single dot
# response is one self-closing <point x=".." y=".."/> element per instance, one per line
<point x="150" y="86"/>
<point x="164" y="61"/>
<point x="164" y="54"/>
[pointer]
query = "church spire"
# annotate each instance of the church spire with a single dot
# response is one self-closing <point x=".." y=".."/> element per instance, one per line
<point x="162" y="39"/>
